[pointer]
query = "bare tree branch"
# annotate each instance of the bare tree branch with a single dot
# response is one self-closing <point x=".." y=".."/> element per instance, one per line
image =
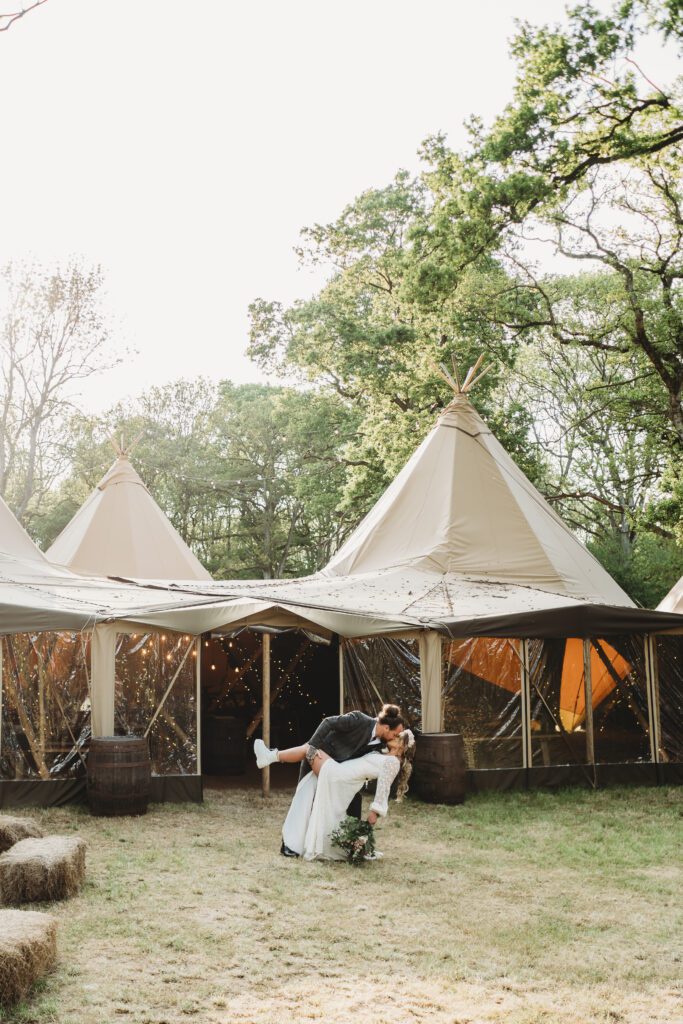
<point x="7" y="20"/>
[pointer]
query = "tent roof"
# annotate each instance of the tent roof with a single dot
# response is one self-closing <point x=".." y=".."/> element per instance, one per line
<point x="121" y="531"/>
<point x="461" y="508"/>
<point x="673" y="602"/>
<point x="461" y="543"/>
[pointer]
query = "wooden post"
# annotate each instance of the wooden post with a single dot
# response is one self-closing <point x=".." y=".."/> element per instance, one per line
<point x="652" y="682"/>
<point x="588" y="698"/>
<point x="41" y="697"/>
<point x="341" y="676"/>
<point x="525" y="692"/>
<point x="265" y="774"/>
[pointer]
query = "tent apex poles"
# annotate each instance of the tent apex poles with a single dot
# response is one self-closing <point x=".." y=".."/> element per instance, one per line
<point x="341" y="676"/>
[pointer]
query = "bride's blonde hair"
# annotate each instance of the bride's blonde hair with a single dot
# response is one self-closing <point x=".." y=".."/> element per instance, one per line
<point x="403" y="747"/>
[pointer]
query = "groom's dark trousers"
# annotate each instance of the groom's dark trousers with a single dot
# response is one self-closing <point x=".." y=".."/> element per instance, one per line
<point x="344" y="737"/>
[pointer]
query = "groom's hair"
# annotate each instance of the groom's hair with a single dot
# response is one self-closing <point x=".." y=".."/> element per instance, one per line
<point x="390" y="715"/>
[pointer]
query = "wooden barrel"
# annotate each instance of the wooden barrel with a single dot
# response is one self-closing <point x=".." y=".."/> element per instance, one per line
<point x="439" y="768"/>
<point x="119" y="775"/>
<point x="223" y="745"/>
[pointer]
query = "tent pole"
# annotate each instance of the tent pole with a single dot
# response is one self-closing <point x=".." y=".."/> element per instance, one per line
<point x="341" y="676"/>
<point x="41" y="703"/>
<point x="527" y="756"/>
<point x="431" y="681"/>
<point x="102" y="678"/>
<point x="2" y="646"/>
<point x="652" y="680"/>
<point x="198" y="703"/>
<point x="588" y="698"/>
<point x="265" y="774"/>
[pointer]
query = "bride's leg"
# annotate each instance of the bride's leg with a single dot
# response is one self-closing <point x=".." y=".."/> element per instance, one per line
<point x="293" y="755"/>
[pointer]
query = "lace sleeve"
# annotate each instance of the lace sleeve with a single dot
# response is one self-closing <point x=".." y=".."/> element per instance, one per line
<point x="388" y="773"/>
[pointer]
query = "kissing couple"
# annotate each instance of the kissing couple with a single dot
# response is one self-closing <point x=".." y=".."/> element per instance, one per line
<point x="344" y="753"/>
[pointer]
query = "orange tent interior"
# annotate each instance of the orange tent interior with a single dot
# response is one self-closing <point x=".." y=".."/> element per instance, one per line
<point x="498" y="661"/>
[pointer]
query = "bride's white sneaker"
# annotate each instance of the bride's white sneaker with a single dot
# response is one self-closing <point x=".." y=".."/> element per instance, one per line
<point x="264" y="756"/>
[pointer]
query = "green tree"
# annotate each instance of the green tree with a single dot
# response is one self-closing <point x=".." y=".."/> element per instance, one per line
<point x="250" y="476"/>
<point x="366" y="339"/>
<point x="585" y="161"/>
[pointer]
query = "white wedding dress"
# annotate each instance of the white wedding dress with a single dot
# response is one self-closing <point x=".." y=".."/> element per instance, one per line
<point x="320" y="802"/>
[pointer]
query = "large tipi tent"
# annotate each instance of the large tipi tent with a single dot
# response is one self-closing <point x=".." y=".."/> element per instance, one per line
<point x="461" y="508"/>
<point x="121" y="531"/>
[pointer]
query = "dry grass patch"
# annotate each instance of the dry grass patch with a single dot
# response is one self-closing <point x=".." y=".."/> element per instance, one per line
<point x="524" y="908"/>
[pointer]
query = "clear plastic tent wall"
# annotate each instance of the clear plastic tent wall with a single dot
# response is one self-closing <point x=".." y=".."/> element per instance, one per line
<point x="670" y="671"/>
<point x="147" y="664"/>
<point x="45" y="722"/>
<point x="45" y="725"/>
<point x="482" y="696"/>
<point x="382" y="671"/>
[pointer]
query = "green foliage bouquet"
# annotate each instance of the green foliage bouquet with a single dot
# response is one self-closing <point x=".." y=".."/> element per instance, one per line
<point x="356" y="838"/>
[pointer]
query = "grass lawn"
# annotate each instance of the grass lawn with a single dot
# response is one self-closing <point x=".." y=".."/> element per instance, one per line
<point x="529" y="908"/>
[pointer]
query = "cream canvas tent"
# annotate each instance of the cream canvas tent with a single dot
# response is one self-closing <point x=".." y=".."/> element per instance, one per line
<point x="121" y="531"/>
<point x="461" y="544"/>
<point x="673" y="602"/>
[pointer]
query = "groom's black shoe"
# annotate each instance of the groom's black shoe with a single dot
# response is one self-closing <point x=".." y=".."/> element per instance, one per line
<point x="286" y="852"/>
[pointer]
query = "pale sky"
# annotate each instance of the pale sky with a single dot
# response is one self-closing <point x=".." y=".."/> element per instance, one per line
<point x="184" y="145"/>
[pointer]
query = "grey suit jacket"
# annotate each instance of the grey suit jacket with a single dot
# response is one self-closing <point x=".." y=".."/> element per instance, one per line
<point x="342" y="737"/>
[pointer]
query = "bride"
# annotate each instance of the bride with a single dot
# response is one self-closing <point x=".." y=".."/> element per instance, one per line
<point x="322" y="796"/>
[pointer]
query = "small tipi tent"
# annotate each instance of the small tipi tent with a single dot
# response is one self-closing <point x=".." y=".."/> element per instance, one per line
<point x="121" y="531"/>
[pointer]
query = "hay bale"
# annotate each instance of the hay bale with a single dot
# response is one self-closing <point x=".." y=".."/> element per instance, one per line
<point x="28" y="949"/>
<point x="42" y="869"/>
<point x="12" y="830"/>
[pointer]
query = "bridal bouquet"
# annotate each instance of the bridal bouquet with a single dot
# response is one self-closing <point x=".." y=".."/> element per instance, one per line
<point x="356" y="838"/>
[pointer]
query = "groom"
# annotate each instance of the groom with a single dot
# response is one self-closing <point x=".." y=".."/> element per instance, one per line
<point x="341" y="737"/>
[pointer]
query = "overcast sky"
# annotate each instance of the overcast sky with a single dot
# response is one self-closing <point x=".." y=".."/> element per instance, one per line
<point x="183" y="146"/>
